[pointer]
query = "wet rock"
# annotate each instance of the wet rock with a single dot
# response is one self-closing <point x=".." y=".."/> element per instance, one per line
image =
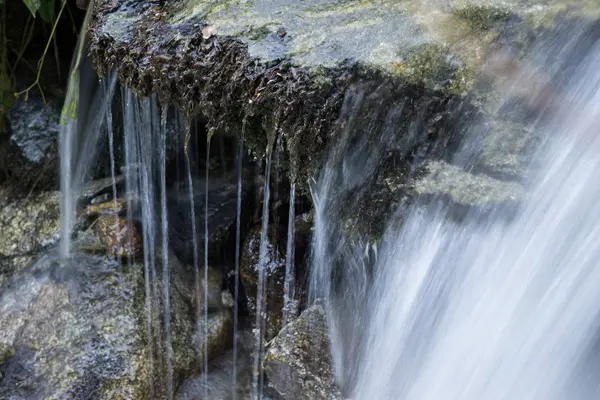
<point x="463" y="188"/>
<point x="274" y="265"/>
<point x="214" y="338"/>
<point x="30" y="156"/>
<point x="28" y="225"/>
<point x="298" y="362"/>
<point x="119" y="236"/>
<point x="78" y="331"/>
<point x="508" y="150"/>
<point x="217" y="384"/>
<point x="221" y="217"/>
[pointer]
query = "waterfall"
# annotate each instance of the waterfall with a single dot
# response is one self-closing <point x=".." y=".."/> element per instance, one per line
<point x="489" y="308"/>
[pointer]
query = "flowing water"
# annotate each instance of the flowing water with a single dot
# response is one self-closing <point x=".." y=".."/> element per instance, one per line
<point x="261" y="295"/>
<point x="490" y="308"/>
<point x="505" y="306"/>
<point x="236" y="292"/>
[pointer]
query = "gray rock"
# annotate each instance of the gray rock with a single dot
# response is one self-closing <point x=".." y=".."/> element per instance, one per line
<point x="78" y="331"/>
<point x="508" y="150"/>
<point x="464" y="188"/>
<point x="34" y="127"/>
<point x="219" y="335"/>
<point x="298" y="362"/>
<point x="30" y="155"/>
<point x="28" y="226"/>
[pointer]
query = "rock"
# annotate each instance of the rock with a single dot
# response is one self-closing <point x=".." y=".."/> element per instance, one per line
<point x="78" y="331"/>
<point x="220" y="335"/>
<point x="218" y="382"/>
<point x="274" y="277"/>
<point x="466" y="189"/>
<point x="30" y="156"/>
<point x="298" y="362"/>
<point x="119" y="236"/>
<point x="221" y="217"/>
<point x="6" y="353"/>
<point x="508" y="150"/>
<point x="28" y="225"/>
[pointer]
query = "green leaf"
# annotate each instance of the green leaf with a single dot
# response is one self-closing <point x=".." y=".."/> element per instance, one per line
<point x="33" y="5"/>
<point x="47" y="11"/>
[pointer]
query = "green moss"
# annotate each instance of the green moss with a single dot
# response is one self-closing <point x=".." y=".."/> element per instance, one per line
<point x="258" y="33"/>
<point x="482" y="17"/>
<point x="427" y="64"/>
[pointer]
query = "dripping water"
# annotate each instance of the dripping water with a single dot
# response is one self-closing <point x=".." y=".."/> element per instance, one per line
<point x="257" y="378"/>
<point x="193" y="222"/>
<point x="138" y="186"/>
<point x="165" y="253"/>
<point x="207" y="173"/>
<point x="238" y="221"/>
<point x="289" y="284"/>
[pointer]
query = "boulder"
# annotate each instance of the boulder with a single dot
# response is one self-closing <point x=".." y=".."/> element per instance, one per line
<point x="298" y="361"/>
<point x="29" y="225"/>
<point x="30" y="155"/>
<point x="78" y="331"/>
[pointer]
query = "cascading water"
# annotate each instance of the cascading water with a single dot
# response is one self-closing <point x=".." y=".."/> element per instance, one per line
<point x="488" y="308"/>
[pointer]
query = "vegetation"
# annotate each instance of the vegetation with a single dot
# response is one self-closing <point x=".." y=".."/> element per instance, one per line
<point x="16" y="39"/>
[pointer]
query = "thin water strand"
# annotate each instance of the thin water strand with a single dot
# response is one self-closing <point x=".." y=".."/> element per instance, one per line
<point x="193" y="222"/>
<point x="238" y="221"/>
<point x="260" y="287"/>
<point x="165" y="254"/>
<point x="205" y="339"/>
<point x="111" y="151"/>
<point x="134" y="184"/>
<point x="289" y="284"/>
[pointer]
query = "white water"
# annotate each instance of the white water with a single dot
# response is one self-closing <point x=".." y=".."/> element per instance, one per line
<point x="485" y="309"/>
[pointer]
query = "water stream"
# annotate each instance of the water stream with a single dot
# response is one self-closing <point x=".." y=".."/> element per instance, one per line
<point x="496" y="307"/>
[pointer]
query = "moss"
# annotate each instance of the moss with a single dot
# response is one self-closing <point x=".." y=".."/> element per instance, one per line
<point x="428" y="64"/>
<point x="482" y="17"/>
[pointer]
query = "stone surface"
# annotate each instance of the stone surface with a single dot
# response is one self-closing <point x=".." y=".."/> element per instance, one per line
<point x="219" y="335"/>
<point x="30" y="155"/>
<point x="221" y="217"/>
<point x="217" y="384"/>
<point x="274" y="277"/>
<point x="119" y="236"/>
<point x="29" y="226"/>
<point x="298" y="362"/>
<point x="460" y="187"/>
<point x="78" y="331"/>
